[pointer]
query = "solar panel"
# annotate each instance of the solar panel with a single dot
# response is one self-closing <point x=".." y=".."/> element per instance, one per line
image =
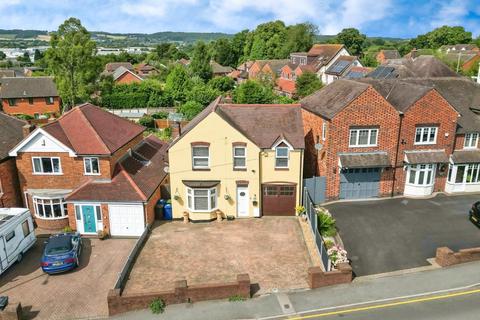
<point x="339" y="66"/>
<point x="355" y="75"/>
<point x="382" y="73"/>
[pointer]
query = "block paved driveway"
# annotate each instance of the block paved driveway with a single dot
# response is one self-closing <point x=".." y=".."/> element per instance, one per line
<point x="394" y="234"/>
<point x="271" y="250"/>
<point x="81" y="293"/>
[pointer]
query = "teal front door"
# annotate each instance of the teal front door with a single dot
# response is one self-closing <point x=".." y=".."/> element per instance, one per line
<point x="89" y="222"/>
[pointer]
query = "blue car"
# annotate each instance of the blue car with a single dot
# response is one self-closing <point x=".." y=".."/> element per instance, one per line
<point x="61" y="253"/>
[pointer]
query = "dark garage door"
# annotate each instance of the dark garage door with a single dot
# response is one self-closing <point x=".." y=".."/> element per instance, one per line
<point x="359" y="183"/>
<point x="279" y="200"/>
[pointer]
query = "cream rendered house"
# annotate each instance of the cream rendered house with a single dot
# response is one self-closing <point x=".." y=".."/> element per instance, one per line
<point x="244" y="160"/>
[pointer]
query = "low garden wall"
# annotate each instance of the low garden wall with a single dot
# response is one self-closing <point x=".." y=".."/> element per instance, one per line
<point x="165" y="123"/>
<point x="447" y="257"/>
<point x="120" y="303"/>
<point x="318" y="278"/>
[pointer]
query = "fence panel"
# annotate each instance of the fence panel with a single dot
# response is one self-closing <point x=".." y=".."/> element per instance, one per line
<point x="317" y="187"/>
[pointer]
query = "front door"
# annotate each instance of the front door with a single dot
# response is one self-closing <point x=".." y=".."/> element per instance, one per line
<point x="242" y="202"/>
<point x="89" y="221"/>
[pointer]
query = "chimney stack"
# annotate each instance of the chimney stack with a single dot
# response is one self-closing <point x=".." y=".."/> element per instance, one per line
<point x="27" y="129"/>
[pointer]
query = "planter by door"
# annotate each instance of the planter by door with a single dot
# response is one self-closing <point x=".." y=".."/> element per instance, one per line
<point x="242" y="202"/>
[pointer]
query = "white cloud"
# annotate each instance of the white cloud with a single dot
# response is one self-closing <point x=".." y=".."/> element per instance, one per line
<point x="154" y="8"/>
<point x="450" y="13"/>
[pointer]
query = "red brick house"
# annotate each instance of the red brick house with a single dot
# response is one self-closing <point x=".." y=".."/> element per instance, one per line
<point x="384" y="55"/>
<point x="124" y="76"/>
<point x="92" y="171"/>
<point x="372" y="138"/>
<point x="12" y="132"/>
<point x="33" y="96"/>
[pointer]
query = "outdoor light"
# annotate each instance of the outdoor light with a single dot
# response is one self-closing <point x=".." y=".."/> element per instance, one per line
<point x="176" y="196"/>
<point x="254" y="200"/>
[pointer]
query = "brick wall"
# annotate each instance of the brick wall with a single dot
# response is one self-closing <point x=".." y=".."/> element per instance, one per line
<point x="150" y="206"/>
<point x="40" y="106"/>
<point x="318" y="278"/>
<point x="380" y="57"/>
<point x="433" y="109"/>
<point x="446" y="257"/>
<point x="368" y="109"/>
<point x="120" y="303"/>
<point x="315" y="160"/>
<point x="10" y="195"/>
<point x="127" y="78"/>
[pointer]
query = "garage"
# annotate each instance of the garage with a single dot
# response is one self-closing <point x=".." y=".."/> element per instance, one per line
<point x="126" y="220"/>
<point x="360" y="183"/>
<point x="279" y="199"/>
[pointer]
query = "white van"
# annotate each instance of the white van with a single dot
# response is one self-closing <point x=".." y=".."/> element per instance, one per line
<point x="16" y="235"/>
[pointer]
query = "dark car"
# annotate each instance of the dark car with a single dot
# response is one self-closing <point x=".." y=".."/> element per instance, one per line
<point x="475" y="213"/>
<point x="61" y="253"/>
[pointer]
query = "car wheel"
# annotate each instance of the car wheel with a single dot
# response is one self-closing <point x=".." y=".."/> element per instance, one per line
<point x="19" y="257"/>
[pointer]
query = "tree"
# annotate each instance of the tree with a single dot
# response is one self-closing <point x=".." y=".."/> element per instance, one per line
<point x="352" y="39"/>
<point x="202" y="94"/>
<point x="190" y="109"/>
<point x="444" y="35"/>
<point x="238" y="45"/>
<point x="24" y="58"/>
<point x="307" y="83"/>
<point x="71" y="59"/>
<point x="3" y="56"/>
<point x="178" y="82"/>
<point x="299" y="38"/>
<point x="223" y="52"/>
<point x="368" y="60"/>
<point x="38" y="55"/>
<point x="266" y="41"/>
<point x="222" y="84"/>
<point x="252" y="91"/>
<point x="200" y="64"/>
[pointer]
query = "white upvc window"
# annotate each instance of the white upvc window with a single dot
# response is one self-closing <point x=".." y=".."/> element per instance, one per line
<point x="421" y="174"/>
<point x="364" y="137"/>
<point x="426" y="135"/>
<point x="464" y="173"/>
<point x="471" y="141"/>
<point x="202" y="199"/>
<point x="50" y="208"/>
<point x="46" y="165"/>
<point x="200" y="157"/>
<point x="281" y="157"/>
<point x="324" y="131"/>
<point x="239" y="157"/>
<point x="91" y="166"/>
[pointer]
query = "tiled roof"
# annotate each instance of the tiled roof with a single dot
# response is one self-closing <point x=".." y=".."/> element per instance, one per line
<point x="391" y="54"/>
<point x="11" y="132"/>
<point x="218" y="68"/>
<point x="121" y="71"/>
<point x="327" y="50"/>
<point x="420" y="67"/>
<point x="87" y="129"/>
<point x="28" y="87"/>
<point x="286" y="85"/>
<point x="112" y="66"/>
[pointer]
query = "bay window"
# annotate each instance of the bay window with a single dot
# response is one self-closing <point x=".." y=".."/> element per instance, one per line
<point x="421" y="174"/>
<point x="464" y="173"/>
<point x="46" y="165"/>
<point x="471" y="140"/>
<point x="426" y="135"/>
<point x="363" y="137"/>
<point x="202" y="199"/>
<point x="91" y="166"/>
<point x="50" y="208"/>
<point x="200" y="157"/>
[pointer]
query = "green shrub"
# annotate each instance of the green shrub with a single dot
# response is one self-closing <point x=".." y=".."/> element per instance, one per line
<point x="160" y="115"/>
<point x="329" y="244"/>
<point x="147" y="121"/>
<point x="67" y="229"/>
<point x="326" y="225"/>
<point x="236" y="298"/>
<point x="157" y="306"/>
<point x="24" y="116"/>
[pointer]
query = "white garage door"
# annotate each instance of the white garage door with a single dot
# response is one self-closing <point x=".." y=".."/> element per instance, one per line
<point x="126" y="220"/>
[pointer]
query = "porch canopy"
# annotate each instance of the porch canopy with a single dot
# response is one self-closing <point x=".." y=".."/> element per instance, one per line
<point x="364" y="160"/>
<point x="465" y="156"/>
<point x="426" y="157"/>
<point x="201" y="183"/>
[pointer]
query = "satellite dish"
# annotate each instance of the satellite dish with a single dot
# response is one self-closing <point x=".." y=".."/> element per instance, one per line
<point x="166" y="169"/>
<point x="318" y="146"/>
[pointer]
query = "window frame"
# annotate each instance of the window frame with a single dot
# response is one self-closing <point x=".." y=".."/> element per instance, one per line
<point x="30" y="101"/>
<point x="89" y="159"/>
<point x="60" y="172"/>
<point x="357" y="137"/>
<point x="422" y="133"/>
<point x="37" y="200"/>
<point x="277" y="157"/>
<point x="421" y="170"/>
<point x="244" y="157"/>
<point x="49" y="100"/>
<point x="9" y="236"/>
<point x="12" y="102"/>
<point x="196" y="167"/>
<point x="473" y="136"/>
<point x="212" y="193"/>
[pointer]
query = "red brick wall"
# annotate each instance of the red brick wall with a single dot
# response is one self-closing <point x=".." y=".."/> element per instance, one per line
<point x="150" y="206"/>
<point x="127" y="78"/>
<point x="315" y="160"/>
<point x="318" y="278"/>
<point x="368" y="109"/>
<point x="380" y="57"/>
<point x="446" y="257"/>
<point x="39" y="106"/>
<point x="10" y="195"/>
<point x="471" y="63"/>
<point x="430" y="109"/>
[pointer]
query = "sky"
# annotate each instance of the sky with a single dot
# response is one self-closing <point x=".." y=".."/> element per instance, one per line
<point x="390" y="18"/>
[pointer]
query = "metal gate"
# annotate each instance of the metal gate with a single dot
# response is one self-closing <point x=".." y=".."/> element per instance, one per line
<point x="359" y="183"/>
<point x="316" y="187"/>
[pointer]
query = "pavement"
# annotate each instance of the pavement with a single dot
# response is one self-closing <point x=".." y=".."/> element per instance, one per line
<point x="271" y="250"/>
<point x="394" y="234"/>
<point x="81" y="293"/>
<point x="444" y="293"/>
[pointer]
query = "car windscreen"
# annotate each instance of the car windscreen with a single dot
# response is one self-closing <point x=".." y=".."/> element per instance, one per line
<point x="58" y="245"/>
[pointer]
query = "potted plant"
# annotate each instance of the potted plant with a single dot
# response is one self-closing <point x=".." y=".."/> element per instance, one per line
<point x="102" y="235"/>
<point x="337" y="255"/>
<point x="301" y="212"/>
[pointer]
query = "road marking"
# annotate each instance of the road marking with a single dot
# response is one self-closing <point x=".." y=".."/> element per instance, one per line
<point x="388" y="305"/>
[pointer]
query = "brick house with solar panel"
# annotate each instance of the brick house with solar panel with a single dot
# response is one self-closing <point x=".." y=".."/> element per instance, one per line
<point x="92" y="171"/>
<point x="370" y="138"/>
